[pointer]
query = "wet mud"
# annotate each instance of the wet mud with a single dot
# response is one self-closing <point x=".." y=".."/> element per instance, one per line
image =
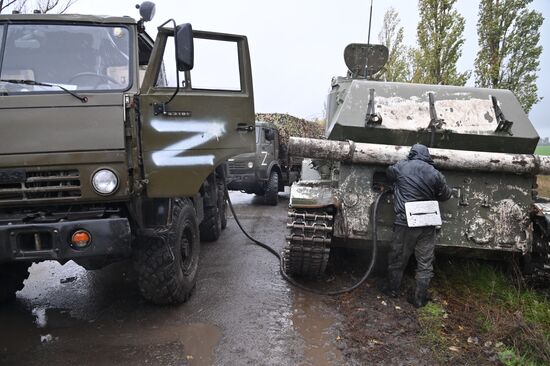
<point x="381" y="330"/>
<point x="241" y="312"/>
<point x="316" y="324"/>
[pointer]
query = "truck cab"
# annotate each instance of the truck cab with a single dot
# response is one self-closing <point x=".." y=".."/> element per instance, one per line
<point x="114" y="144"/>
<point x="266" y="171"/>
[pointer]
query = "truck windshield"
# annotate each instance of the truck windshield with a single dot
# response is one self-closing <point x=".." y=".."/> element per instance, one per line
<point x="77" y="57"/>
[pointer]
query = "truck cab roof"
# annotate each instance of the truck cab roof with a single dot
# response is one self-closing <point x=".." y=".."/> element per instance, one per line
<point x="97" y="19"/>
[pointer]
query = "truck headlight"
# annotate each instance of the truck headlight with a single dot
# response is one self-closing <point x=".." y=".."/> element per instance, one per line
<point x="105" y="181"/>
<point x="250" y="165"/>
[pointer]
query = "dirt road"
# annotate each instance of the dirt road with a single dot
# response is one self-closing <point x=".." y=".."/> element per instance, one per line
<point x="241" y="312"/>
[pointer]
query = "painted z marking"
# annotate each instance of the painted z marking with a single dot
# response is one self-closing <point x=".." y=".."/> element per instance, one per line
<point x="204" y="132"/>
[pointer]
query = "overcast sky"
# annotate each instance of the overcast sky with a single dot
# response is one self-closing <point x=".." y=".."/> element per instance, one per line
<point x="297" y="45"/>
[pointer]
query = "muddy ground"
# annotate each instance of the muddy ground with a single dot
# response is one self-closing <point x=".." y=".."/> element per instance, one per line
<point x="241" y="313"/>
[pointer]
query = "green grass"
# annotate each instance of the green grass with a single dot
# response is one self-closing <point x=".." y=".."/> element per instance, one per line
<point x="509" y="357"/>
<point x="432" y="323"/>
<point x="520" y="318"/>
<point x="543" y="150"/>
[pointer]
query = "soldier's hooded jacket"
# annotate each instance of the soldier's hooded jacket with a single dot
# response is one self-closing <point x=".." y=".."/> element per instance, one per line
<point x="415" y="179"/>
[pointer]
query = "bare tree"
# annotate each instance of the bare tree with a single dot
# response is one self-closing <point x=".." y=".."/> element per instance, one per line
<point x="44" y="6"/>
<point x="4" y="4"/>
<point x="20" y="6"/>
<point x="58" y="6"/>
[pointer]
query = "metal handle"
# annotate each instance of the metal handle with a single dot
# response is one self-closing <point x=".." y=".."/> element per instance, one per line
<point x="243" y="127"/>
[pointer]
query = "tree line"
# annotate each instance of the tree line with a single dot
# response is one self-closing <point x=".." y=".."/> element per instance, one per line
<point x="508" y="39"/>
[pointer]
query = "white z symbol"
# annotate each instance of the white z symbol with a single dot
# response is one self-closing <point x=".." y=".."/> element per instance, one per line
<point x="265" y="157"/>
<point x="205" y="131"/>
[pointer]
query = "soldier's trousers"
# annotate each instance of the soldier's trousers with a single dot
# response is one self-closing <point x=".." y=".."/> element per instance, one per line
<point x="406" y="240"/>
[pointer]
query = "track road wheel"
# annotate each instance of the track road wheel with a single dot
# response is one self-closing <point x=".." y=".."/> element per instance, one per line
<point x="272" y="190"/>
<point x="168" y="257"/>
<point x="12" y="276"/>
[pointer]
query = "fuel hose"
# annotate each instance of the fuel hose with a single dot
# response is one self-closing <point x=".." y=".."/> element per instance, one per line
<point x="291" y="280"/>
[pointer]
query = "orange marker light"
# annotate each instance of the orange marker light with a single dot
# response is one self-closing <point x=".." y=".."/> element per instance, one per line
<point x="81" y="239"/>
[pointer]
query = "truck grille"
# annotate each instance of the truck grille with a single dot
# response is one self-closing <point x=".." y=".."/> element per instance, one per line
<point x="42" y="184"/>
<point x="237" y="166"/>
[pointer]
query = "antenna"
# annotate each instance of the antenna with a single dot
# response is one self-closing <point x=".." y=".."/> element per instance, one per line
<point x="368" y="44"/>
<point x="370" y="19"/>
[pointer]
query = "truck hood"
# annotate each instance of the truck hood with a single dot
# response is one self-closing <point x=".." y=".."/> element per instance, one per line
<point x="244" y="157"/>
<point x="60" y="123"/>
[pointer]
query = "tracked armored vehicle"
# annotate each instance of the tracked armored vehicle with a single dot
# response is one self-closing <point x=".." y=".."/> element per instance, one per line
<point x="480" y="139"/>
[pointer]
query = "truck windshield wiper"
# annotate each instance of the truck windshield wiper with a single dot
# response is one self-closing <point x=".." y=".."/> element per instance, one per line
<point x="32" y="82"/>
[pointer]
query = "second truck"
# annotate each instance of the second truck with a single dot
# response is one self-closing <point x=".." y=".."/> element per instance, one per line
<point x="270" y="169"/>
<point x="266" y="171"/>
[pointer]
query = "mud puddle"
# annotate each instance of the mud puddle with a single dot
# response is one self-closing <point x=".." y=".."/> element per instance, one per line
<point x="61" y="339"/>
<point x="316" y="325"/>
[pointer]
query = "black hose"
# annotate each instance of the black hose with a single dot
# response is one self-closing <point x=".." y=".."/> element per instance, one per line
<point x="281" y="259"/>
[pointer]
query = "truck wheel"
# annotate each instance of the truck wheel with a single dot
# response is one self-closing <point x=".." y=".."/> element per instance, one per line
<point x="167" y="261"/>
<point x="12" y="276"/>
<point x="211" y="225"/>
<point x="222" y="202"/>
<point x="272" y="190"/>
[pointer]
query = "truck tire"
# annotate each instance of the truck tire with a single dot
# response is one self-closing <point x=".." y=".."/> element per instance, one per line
<point x="222" y="206"/>
<point x="272" y="190"/>
<point x="12" y="276"/>
<point x="211" y="225"/>
<point x="167" y="261"/>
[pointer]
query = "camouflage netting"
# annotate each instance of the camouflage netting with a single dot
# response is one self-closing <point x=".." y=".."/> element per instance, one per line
<point x="292" y="126"/>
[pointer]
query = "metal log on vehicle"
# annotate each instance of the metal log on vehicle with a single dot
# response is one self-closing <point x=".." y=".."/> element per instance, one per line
<point x="365" y="153"/>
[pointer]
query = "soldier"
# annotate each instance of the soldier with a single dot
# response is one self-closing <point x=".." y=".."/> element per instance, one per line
<point x="414" y="179"/>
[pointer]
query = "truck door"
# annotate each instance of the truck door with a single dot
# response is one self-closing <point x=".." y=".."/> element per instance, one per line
<point x="209" y="119"/>
<point x="267" y="147"/>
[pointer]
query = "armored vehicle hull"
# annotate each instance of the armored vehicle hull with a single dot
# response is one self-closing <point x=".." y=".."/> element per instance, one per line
<point x="480" y="139"/>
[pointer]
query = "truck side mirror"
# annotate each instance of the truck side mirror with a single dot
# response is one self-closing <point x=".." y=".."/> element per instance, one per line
<point x="184" y="47"/>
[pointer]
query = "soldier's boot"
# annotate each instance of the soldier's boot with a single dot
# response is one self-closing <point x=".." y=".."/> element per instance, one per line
<point x="420" y="297"/>
<point x="391" y="288"/>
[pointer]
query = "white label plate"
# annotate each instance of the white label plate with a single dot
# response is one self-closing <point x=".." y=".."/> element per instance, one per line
<point x="423" y="213"/>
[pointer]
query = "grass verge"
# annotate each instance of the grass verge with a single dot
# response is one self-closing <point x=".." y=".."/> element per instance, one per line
<point x="431" y="319"/>
<point x="489" y="312"/>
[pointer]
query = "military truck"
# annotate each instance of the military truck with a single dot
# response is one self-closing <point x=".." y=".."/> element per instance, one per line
<point x="480" y="139"/>
<point x="104" y="156"/>
<point x="266" y="171"/>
